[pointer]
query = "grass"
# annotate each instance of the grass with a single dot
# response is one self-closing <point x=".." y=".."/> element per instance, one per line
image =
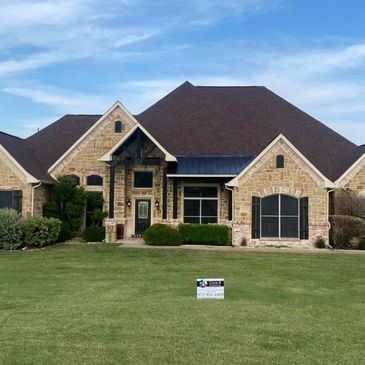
<point x="100" y="304"/>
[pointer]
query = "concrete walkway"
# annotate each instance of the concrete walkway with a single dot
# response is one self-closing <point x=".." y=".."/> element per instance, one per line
<point x="139" y="243"/>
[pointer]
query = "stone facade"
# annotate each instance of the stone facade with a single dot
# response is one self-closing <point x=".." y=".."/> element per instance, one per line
<point x="355" y="180"/>
<point x="11" y="178"/>
<point x="296" y="179"/>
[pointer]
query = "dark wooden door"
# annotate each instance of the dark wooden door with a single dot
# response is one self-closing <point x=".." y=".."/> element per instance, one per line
<point x="142" y="216"/>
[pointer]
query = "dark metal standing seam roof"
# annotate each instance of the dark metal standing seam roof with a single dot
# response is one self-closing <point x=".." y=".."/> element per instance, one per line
<point x="210" y="165"/>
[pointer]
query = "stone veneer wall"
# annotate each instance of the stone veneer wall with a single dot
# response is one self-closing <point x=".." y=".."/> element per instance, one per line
<point x="11" y="179"/>
<point x="356" y="179"/>
<point x="42" y="194"/>
<point x="295" y="179"/>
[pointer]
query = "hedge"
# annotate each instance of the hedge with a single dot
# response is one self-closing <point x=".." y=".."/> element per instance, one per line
<point x="41" y="231"/>
<point x="344" y="228"/>
<point x="162" y="235"/>
<point x="205" y="234"/>
<point x="94" y="233"/>
<point x="11" y="229"/>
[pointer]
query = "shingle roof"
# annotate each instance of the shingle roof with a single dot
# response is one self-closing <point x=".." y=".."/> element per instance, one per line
<point x="204" y="121"/>
<point x="200" y="120"/>
<point x="39" y="151"/>
<point x="210" y="165"/>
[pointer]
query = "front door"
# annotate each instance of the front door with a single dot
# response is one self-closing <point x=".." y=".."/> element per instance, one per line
<point x="143" y="216"/>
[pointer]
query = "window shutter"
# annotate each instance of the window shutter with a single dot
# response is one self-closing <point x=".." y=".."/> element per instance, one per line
<point x="17" y="200"/>
<point x="304" y="218"/>
<point x="230" y="205"/>
<point x="256" y="203"/>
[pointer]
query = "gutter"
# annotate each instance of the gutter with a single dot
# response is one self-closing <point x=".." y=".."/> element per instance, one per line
<point x="231" y="224"/>
<point x="328" y="213"/>
<point x="33" y="188"/>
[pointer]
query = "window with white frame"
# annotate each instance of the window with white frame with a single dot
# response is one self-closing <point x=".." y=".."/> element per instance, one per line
<point x="280" y="216"/>
<point x="200" y="204"/>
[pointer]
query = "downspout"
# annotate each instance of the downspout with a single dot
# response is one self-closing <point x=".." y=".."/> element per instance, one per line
<point x="33" y="188"/>
<point x="231" y="224"/>
<point x="328" y="214"/>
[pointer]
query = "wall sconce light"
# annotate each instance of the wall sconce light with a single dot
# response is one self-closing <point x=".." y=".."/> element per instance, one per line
<point x="129" y="203"/>
<point x="157" y="204"/>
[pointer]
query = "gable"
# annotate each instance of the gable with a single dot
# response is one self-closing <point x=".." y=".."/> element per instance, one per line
<point x="11" y="167"/>
<point x="297" y="161"/>
<point x="354" y="177"/>
<point x="99" y="139"/>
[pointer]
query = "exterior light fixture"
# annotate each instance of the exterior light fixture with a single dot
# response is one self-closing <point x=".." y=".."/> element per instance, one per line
<point x="157" y="204"/>
<point x="129" y="203"/>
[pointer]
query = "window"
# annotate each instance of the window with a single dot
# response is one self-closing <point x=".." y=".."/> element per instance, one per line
<point x="75" y="178"/>
<point x="279" y="161"/>
<point x="11" y="199"/>
<point x="280" y="216"/>
<point x="118" y="126"/>
<point x="94" y="180"/>
<point x="200" y="204"/>
<point x="143" y="179"/>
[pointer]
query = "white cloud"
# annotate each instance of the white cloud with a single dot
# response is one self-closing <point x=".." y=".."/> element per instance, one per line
<point x="64" y="101"/>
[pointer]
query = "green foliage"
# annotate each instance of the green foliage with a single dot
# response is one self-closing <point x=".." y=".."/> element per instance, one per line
<point x="69" y="205"/>
<point x="320" y="243"/>
<point x="11" y="232"/>
<point x="361" y="245"/>
<point x="65" y="233"/>
<point x="162" y="235"/>
<point x="41" y="231"/>
<point x="344" y="228"/>
<point x="205" y="234"/>
<point x="94" y="234"/>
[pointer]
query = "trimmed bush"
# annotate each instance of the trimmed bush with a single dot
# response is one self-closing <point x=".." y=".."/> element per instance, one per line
<point x="94" y="233"/>
<point x="344" y="228"/>
<point x="65" y="233"/>
<point x="162" y="235"/>
<point x="320" y="243"/>
<point x="41" y="231"/>
<point x="205" y="234"/>
<point x="11" y="229"/>
<point x="361" y="245"/>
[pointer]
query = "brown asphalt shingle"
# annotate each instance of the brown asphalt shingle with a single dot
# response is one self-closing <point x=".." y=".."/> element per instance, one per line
<point x="203" y="121"/>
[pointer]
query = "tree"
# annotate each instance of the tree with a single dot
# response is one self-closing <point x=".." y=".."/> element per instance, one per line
<point x="69" y="204"/>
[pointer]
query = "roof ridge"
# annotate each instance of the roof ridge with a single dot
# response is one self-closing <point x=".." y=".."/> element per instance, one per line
<point x="11" y="135"/>
<point x="230" y="86"/>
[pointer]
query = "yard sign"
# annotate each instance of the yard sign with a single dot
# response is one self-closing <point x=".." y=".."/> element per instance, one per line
<point x="210" y="288"/>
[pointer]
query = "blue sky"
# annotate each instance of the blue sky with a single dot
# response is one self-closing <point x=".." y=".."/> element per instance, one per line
<point x="78" y="56"/>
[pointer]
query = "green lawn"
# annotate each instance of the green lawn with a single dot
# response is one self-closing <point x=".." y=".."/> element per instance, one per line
<point x="100" y="304"/>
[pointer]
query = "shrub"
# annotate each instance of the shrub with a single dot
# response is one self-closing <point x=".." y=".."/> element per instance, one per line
<point x="65" y="233"/>
<point x="205" y="234"/>
<point x="94" y="234"/>
<point x="361" y="245"/>
<point x="11" y="232"/>
<point x="162" y="235"/>
<point x="344" y="228"/>
<point x="320" y="243"/>
<point x="41" y="231"/>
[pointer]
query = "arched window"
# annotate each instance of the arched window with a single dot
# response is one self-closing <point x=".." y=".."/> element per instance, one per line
<point x="279" y="161"/>
<point x="94" y="180"/>
<point x="75" y="178"/>
<point x="280" y="216"/>
<point x="118" y="126"/>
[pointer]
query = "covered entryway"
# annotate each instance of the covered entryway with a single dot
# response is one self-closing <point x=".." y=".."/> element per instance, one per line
<point x="142" y="216"/>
